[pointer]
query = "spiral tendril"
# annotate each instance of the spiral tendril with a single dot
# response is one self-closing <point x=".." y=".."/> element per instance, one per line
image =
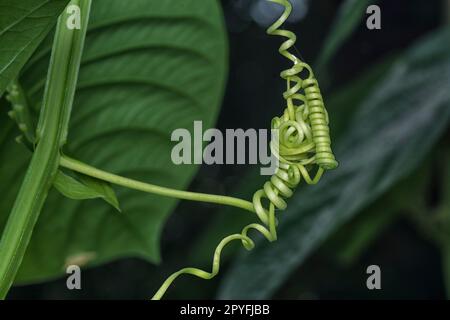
<point x="303" y="141"/>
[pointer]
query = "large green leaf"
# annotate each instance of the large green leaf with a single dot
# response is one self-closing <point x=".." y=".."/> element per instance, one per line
<point x="23" y="25"/>
<point x="149" y="67"/>
<point x="390" y="135"/>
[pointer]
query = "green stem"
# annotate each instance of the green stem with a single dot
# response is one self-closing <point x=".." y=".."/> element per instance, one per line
<point x="53" y="122"/>
<point x="86" y="169"/>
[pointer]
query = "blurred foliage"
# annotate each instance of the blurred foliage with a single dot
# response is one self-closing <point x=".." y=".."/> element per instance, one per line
<point x="347" y="20"/>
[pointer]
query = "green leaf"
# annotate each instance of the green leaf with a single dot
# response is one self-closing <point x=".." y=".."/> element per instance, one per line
<point x="349" y="16"/>
<point x="353" y="239"/>
<point x="23" y="25"/>
<point x="85" y="188"/>
<point x="227" y="220"/>
<point x="149" y="67"/>
<point x="395" y="128"/>
<point x="348" y="98"/>
<point x="60" y="89"/>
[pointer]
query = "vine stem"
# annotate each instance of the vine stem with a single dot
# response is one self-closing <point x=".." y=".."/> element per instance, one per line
<point x="53" y="122"/>
<point x="86" y="169"/>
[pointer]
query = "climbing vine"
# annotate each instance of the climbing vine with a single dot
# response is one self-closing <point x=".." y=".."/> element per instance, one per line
<point x="302" y="146"/>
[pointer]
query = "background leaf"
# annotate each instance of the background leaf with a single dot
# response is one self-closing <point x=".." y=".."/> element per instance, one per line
<point x="23" y="25"/>
<point x="149" y="67"/>
<point x="352" y="240"/>
<point x="394" y="129"/>
<point x="347" y="20"/>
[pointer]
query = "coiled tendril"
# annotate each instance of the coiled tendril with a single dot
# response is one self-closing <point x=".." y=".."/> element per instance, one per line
<point x="303" y="141"/>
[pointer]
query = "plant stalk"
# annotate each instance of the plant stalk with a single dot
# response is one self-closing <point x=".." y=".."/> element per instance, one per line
<point x="86" y="169"/>
<point x="52" y="131"/>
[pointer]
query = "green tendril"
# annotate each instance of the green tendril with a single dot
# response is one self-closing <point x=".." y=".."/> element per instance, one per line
<point x="303" y="141"/>
<point x="86" y="169"/>
<point x="302" y="145"/>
